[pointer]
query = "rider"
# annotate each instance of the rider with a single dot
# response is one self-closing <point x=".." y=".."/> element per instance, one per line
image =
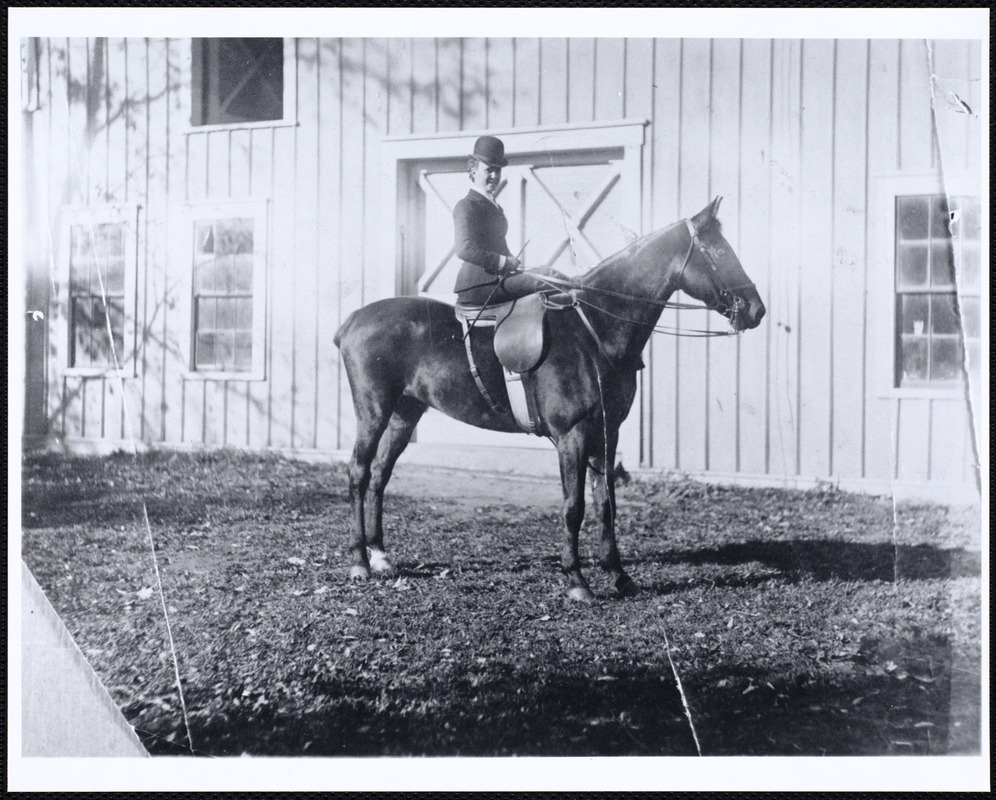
<point x="490" y="274"/>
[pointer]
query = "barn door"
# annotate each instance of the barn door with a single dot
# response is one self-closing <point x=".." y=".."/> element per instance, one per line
<point x="565" y="216"/>
<point x="564" y="211"/>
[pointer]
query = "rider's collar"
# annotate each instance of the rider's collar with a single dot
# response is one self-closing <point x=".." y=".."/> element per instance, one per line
<point x="490" y="198"/>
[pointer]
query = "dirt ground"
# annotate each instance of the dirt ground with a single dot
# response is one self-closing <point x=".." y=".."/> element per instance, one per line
<point x="461" y="491"/>
<point x="815" y="622"/>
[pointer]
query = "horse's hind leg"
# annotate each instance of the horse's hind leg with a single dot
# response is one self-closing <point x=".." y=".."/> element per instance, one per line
<point x="371" y="421"/>
<point x="603" y="492"/>
<point x="392" y="444"/>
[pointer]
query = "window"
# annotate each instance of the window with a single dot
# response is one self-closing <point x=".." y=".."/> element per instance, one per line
<point x="241" y="81"/>
<point x="98" y="260"/>
<point x="96" y="294"/>
<point x="228" y="288"/>
<point x="937" y="311"/>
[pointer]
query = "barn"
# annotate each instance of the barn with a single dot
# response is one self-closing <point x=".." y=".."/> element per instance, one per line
<point x="201" y="214"/>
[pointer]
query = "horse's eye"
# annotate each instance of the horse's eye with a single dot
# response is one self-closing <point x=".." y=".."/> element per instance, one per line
<point x="720" y="251"/>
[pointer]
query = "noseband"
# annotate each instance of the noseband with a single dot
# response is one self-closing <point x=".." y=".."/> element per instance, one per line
<point x="713" y="272"/>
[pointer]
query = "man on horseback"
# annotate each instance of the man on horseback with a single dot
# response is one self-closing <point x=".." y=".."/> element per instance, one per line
<point x="490" y="274"/>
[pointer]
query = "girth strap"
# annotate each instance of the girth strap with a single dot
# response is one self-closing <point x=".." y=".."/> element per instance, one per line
<point x="475" y="373"/>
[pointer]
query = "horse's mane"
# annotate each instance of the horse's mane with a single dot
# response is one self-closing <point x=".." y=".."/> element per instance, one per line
<point x="711" y="225"/>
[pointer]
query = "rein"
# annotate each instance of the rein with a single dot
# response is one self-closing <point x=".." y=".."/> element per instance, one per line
<point x="572" y="288"/>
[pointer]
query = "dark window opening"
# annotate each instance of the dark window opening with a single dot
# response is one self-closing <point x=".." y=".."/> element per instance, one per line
<point x="237" y="80"/>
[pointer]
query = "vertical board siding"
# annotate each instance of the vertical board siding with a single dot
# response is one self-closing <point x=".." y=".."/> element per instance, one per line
<point x="792" y="134"/>
<point x="665" y="170"/>
<point x="815" y="368"/>
<point x="307" y="357"/>
<point x="785" y="333"/>
<point x="554" y="80"/>
<point x="328" y="262"/>
<point x="849" y="258"/>
<point x="527" y="82"/>
<point x="721" y="366"/>
<point x="690" y="380"/>
<point x="581" y="80"/>
<point x="474" y="89"/>
<point x="883" y="157"/>
<point x="754" y="249"/>
<point x="916" y="140"/>
<point x="500" y="72"/>
<point x="609" y="70"/>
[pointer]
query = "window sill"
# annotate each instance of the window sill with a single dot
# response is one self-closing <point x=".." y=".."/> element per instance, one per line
<point x="240" y="126"/>
<point x="224" y="376"/>
<point x="956" y="392"/>
<point x="97" y="372"/>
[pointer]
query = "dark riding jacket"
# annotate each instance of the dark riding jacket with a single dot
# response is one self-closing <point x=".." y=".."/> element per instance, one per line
<point x="480" y="228"/>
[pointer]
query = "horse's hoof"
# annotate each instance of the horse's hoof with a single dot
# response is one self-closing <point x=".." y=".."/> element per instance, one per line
<point x="626" y="587"/>
<point x="581" y="594"/>
<point x="380" y="562"/>
<point x="358" y="573"/>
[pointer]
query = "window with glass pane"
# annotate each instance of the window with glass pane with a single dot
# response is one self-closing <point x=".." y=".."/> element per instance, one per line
<point x="237" y="80"/>
<point x="96" y="295"/>
<point x="223" y="295"/>
<point x="934" y="322"/>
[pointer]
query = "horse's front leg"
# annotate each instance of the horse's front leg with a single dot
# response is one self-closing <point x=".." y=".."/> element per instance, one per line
<point x="573" y="464"/>
<point x="604" y="497"/>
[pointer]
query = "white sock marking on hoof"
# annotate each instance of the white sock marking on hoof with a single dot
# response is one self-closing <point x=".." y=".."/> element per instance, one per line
<point x="379" y="562"/>
<point x="580" y="594"/>
<point x="359" y="573"/>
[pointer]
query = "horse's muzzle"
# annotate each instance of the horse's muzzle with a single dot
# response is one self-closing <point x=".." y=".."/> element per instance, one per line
<point x="746" y="313"/>
<point x="752" y="315"/>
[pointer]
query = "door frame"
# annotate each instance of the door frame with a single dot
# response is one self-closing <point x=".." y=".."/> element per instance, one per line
<point x="401" y="155"/>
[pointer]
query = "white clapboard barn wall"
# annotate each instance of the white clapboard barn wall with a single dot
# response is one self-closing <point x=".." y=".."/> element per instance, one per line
<point x="808" y="141"/>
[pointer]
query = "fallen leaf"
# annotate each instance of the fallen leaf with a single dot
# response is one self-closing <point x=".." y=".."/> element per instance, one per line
<point x="351" y="611"/>
<point x="297" y="562"/>
<point x="144" y="594"/>
<point x="699" y="635"/>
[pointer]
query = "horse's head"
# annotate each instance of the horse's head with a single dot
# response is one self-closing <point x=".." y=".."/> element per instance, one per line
<point x="712" y="274"/>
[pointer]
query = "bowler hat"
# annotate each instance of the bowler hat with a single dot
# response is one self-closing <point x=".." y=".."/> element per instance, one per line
<point x="490" y="150"/>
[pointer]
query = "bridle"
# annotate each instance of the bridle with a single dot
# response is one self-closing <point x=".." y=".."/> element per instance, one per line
<point x="722" y="293"/>
<point x="572" y="288"/>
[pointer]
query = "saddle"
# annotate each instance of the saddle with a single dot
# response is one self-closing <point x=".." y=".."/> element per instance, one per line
<point x="520" y="339"/>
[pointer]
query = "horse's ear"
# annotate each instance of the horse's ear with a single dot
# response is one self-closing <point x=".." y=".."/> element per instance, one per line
<point x="714" y="210"/>
<point x="700" y="220"/>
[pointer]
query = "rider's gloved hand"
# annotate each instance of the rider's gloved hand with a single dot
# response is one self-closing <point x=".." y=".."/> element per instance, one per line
<point x="512" y="264"/>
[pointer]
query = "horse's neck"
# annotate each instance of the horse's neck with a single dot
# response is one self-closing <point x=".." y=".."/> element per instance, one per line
<point x="642" y="271"/>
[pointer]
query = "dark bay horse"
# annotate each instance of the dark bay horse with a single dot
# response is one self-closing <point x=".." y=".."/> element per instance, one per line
<point x="405" y="354"/>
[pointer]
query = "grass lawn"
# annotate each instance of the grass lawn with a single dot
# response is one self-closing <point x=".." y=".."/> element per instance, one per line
<point x="798" y="622"/>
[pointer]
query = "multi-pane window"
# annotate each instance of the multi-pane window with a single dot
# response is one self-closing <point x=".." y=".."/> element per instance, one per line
<point x="937" y="310"/>
<point x="97" y="265"/>
<point x="238" y="81"/>
<point x="223" y="283"/>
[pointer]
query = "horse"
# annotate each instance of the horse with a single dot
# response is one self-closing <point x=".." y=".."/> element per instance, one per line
<point x="403" y="355"/>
